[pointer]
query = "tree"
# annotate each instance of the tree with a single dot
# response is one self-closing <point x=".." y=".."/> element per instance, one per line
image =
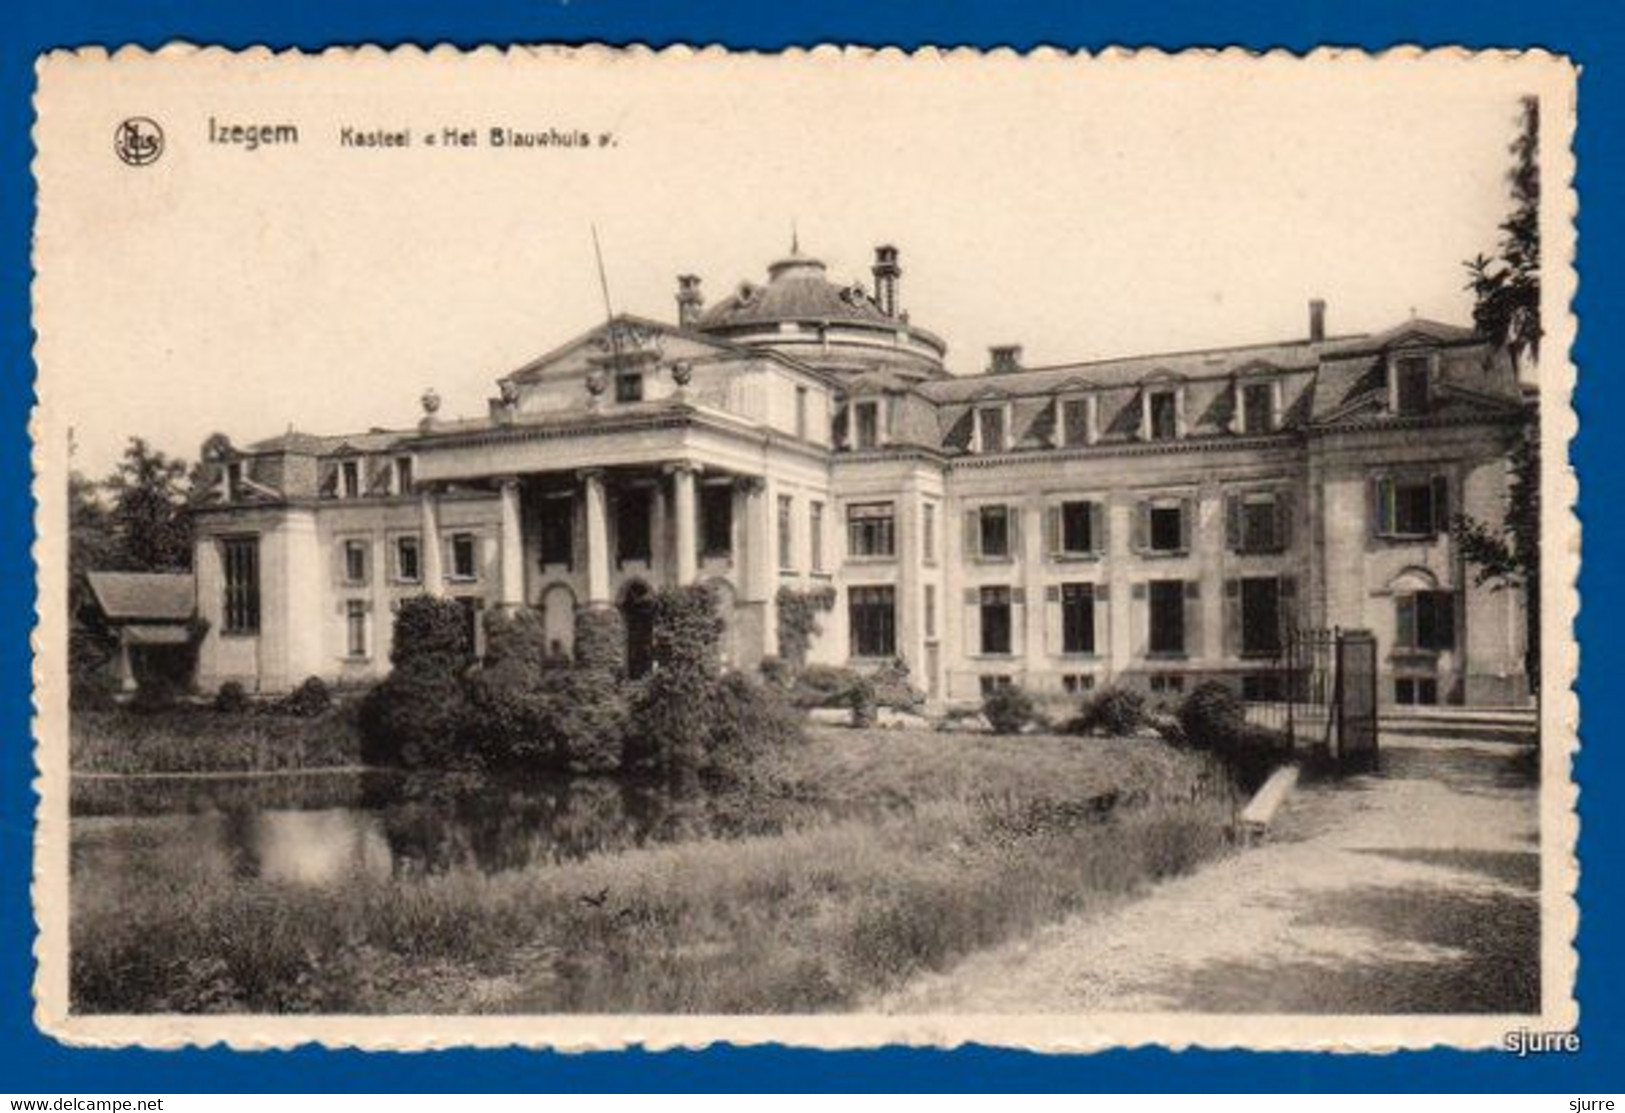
<point x="153" y="531"/>
<point x="1506" y="286"/>
<point x="92" y="540"/>
<point x="1507" y="556"/>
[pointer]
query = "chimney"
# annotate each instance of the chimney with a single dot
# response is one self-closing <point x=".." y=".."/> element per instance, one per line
<point x="887" y="273"/>
<point x="689" y="300"/>
<point x="1004" y="357"/>
<point x="1317" y="321"/>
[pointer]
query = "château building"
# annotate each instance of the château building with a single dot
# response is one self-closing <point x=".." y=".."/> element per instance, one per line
<point x="1152" y="520"/>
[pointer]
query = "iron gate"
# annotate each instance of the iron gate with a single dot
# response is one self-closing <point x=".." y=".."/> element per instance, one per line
<point x="1327" y="685"/>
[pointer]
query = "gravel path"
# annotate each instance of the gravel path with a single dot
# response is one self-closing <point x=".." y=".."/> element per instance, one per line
<point x="1411" y="890"/>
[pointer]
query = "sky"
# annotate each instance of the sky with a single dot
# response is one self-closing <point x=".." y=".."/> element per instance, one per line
<point x="1081" y="208"/>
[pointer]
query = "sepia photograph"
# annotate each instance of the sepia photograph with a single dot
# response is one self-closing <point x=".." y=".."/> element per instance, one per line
<point x="595" y="547"/>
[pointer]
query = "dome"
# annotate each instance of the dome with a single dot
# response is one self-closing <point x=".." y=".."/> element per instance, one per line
<point x="799" y="312"/>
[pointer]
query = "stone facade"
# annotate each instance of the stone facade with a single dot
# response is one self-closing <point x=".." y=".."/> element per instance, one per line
<point x="1150" y="521"/>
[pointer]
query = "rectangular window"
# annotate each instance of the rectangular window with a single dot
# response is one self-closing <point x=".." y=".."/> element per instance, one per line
<point x="870" y="529"/>
<point x="930" y="611"/>
<point x="1164" y="406"/>
<point x="1075" y="421"/>
<point x="716" y="519"/>
<point x="787" y="534"/>
<point x="1261" y="616"/>
<point x="408" y="567"/>
<point x="557" y="530"/>
<point x="1077" y="618"/>
<point x="403" y="475"/>
<point x="355" y="627"/>
<point x="1412" y="507"/>
<point x="801" y="412"/>
<point x="629" y="386"/>
<point x="990" y="684"/>
<point x="355" y="562"/>
<point x="632" y="532"/>
<point x="1414" y="690"/>
<point x="1166" y="527"/>
<point x="872" y="617"/>
<point x="815" y="534"/>
<point x="1258" y="408"/>
<point x="240" y="560"/>
<point x="1167" y="600"/>
<point x="234" y="481"/>
<point x="1426" y="620"/>
<point x="990" y="428"/>
<point x="866" y="422"/>
<point x="993" y="532"/>
<point x="1078" y="528"/>
<point x="928" y="532"/>
<point x="995" y="614"/>
<point x="1411" y="385"/>
<point x="350" y="477"/>
<point x="1076" y="683"/>
<point x="462" y="557"/>
<point x="1255" y="524"/>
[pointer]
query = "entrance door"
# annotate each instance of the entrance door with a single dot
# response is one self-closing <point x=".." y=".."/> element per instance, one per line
<point x="637" y="612"/>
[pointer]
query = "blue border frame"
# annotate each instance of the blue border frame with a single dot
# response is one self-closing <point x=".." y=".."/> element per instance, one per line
<point x="1590" y="32"/>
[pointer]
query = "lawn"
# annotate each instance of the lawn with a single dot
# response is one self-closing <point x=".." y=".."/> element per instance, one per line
<point x="913" y="849"/>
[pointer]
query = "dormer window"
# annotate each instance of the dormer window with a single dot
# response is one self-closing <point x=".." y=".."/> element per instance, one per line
<point x="1077" y="420"/>
<point x="1258" y="407"/>
<point x="992" y="434"/>
<point x="629" y="386"/>
<point x="403" y="475"/>
<point x="350" y="478"/>
<point x="865" y="424"/>
<point x="234" y="481"/>
<point x="1162" y="415"/>
<point x="1412" y="384"/>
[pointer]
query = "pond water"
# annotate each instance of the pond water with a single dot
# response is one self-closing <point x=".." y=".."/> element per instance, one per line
<point x="321" y="830"/>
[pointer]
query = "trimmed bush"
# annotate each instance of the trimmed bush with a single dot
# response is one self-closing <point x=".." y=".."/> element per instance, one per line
<point x="308" y="700"/>
<point x="1211" y="715"/>
<point x="671" y="712"/>
<point x="231" y="699"/>
<point x="428" y="628"/>
<point x="860" y="697"/>
<point x="893" y="689"/>
<point x="1115" y="711"/>
<point x="748" y="718"/>
<point x="416" y="717"/>
<point x="824" y="686"/>
<point x="600" y="646"/>
<point x="1008" y="708"/>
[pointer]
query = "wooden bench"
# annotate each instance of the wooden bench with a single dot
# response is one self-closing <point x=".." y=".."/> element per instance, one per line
<point x="1254" y="820"/>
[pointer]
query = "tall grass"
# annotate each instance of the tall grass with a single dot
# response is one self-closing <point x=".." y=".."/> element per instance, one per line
<point x="814" y="918"/>
<point x="189" y="739"/>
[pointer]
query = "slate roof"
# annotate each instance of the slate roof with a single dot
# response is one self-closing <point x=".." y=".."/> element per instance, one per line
<point x="144" y="596"/>
<point x="314" y="444"/>
<point x="797" y="290"/>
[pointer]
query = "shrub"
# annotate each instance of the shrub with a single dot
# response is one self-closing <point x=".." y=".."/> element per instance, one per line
<point x="600" y="642"/>
<point x="416" y="717"/>
<point x="824" y="686"/>
<point x="308" y="700"/>
<point x="1008" y="708"/>
<point x="747" y="719"/>
<point x="892" y="687"/>
<point x="430" y="628"/>
<point x="1114" y="710"/>
<point x="231" y="699"/>
<point x="670" y="714"/>
<point x="154" y="694"/>
<point x="860" y="697"/>
<point x="777" y="673"/>
<point x="1211" y="715"/>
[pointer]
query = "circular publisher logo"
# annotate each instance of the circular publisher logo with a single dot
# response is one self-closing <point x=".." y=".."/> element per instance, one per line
<point x="139" y="141"/>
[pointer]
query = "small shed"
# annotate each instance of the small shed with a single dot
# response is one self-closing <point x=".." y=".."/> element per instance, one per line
<point x="151" y="616"/>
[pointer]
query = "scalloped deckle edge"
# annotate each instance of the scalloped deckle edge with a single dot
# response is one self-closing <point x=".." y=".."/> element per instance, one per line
<point x="1553" y="77"/>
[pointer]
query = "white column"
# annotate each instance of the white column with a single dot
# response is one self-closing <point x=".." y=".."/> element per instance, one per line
<point x="597" y="539"/>
<point x="686" y="534"/>
<point x="434" y="580"/>
<point x="758" y="555"/>
<point x="513" y="548"/>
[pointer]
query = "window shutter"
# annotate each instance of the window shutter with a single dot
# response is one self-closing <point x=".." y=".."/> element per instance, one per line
<point x="1052" y="593"/>
<point x="1444" y="619"/>
<point x="1145" y="415"/>
<point x="1289" y="607"/>
<point x="1097" y="526"/>
<point x="1232" y="618"/>
<point x="1052" y="528"/>
<point x="339" y="568"/>
<point x="1232" y="522"/>
<point x="1013" y="516"/>
<point x="1382" y="518"/>
<point x="1193" y="618"/>
<point x="1405" y="621"/>
<point x="1018" y="597"/>
<point x="1187" y="512"/>
<point x="1103" y="593"/>
<point x="1441" y="504"/>
<point x="1142" y="526"/>
<point x="1285" y="511"/>
<point x="1139" y="590"/>
<point x="973" y="622"/>
<point x="973" y="534"/>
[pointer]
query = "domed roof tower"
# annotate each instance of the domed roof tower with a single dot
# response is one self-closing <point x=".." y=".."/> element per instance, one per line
<point x="801" y="313"/>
